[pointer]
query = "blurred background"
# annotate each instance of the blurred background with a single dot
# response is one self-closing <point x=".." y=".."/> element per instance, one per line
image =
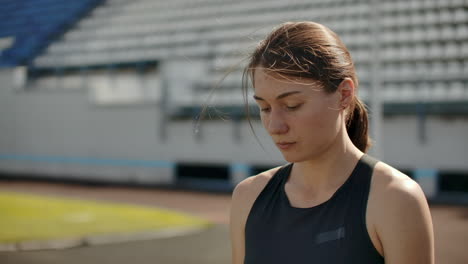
<point x="110" y="92"/>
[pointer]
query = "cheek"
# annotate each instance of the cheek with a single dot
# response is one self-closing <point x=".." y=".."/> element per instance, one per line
<point x="330" y="123"/>
<point x="321" y="122"/>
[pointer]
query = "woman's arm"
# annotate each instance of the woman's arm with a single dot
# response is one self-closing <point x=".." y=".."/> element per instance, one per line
<point x="237" y="224"/>
<point x="243" y="198"/>
<point x="404" y="223"/>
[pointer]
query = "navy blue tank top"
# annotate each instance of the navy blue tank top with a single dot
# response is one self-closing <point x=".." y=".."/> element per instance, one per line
<point x="333" y="232"/>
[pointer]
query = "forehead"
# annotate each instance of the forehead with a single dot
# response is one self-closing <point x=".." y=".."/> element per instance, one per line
<point x="268" y="82"/>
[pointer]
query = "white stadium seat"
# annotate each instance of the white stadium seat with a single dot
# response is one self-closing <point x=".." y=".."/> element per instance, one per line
<point x="418" y="39"/>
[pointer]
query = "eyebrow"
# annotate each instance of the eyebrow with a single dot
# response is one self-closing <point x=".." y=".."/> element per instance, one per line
<point x="283" y="95"/>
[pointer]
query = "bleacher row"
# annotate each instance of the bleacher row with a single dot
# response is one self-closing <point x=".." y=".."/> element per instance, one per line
<point x="423" y="44"/>
<point x="33" y="24"/>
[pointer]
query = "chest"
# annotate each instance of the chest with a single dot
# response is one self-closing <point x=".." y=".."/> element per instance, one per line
<point x="331" y="232"/>
<point x="304" y="198"/>
<point x="334" y="242"/>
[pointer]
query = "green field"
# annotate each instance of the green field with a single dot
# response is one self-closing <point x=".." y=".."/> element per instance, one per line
<point x="25" y="217"/>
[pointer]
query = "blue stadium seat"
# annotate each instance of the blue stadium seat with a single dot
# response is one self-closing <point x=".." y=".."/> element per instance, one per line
<point x="34" y="24"/>
<point x="418" y="39"/>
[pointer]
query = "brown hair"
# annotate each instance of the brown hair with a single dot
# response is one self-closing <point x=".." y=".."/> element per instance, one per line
<point x="311" y="50"/>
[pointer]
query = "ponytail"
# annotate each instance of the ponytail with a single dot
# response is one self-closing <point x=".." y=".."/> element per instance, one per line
<point x="357" y="126"/>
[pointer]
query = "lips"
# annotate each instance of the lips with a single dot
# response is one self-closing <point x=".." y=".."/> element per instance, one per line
<point x="285" y="145"/>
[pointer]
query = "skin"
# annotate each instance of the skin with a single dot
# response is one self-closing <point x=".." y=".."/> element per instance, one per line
<point x="308" y="126"/>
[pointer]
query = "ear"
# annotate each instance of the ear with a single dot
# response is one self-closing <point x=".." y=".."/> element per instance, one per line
<point x="346" y="91"/>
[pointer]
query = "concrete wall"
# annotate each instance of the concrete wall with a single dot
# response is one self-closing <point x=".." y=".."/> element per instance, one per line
<point x="445" y="147"/>
<point x="62" y="133"/>
<point x="52" y="131"/>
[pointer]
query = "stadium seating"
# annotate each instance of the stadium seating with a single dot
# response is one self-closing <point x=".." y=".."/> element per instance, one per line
<point x="33" y="24"/>
<point x="422" y="44"/>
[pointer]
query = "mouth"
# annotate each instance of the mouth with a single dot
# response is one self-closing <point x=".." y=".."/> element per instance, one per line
<point x="285" y="145"/>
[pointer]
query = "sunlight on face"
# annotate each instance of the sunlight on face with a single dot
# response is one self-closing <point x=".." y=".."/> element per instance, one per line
<point x="301" y="118"/>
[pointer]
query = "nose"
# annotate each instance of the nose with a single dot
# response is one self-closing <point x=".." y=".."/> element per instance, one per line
<point x="276" y="124"/>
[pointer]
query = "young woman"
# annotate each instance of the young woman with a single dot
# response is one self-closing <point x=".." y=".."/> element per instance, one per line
<point x="331" y="203"/>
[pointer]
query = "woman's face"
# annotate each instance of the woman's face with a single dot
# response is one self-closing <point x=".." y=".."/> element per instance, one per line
<point x="301" y="118"/>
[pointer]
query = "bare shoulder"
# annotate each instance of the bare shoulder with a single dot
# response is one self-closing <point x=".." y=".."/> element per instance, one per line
<point x="243" y="197"/>
<point x="247" y="191"/>
<point x="251" y="187"/>
<point x="394" y="194"/>
<point x="393" y="186"/>
<point x="400" y="215"/>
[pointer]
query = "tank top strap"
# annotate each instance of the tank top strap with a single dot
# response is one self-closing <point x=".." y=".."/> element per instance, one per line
<point x="369" y="161"/>
<point x="267" y="200"/>
<point x="361" y="189"/>
<point x="364" y="171"/>
<point x="280" y="177"/>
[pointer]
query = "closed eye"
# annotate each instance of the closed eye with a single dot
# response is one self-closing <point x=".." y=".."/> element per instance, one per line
<point x="293" y="107"/>
<point x="266" y="109"/>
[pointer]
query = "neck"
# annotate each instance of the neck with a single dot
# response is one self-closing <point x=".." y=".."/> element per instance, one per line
<point x="328" y="171"/>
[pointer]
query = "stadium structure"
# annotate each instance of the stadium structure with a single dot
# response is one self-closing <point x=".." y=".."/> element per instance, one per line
<point x="109" y="91"/>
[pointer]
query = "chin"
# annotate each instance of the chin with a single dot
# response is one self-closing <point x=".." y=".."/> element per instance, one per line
<point x="296" y="156"/>
<point x="293" y="158"/>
